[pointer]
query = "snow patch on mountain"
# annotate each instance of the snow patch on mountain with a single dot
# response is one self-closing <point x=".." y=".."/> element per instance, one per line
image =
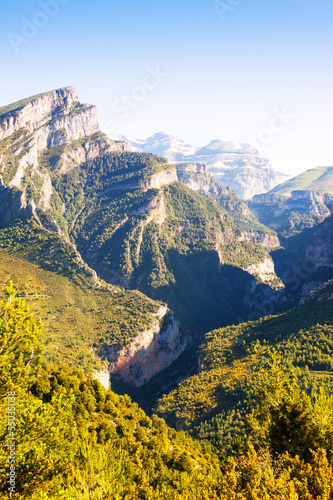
<point x="236" y="165"/>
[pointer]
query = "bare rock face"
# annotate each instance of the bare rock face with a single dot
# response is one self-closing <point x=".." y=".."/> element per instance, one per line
<point x="197" y="177"/>
<point x="32" y="115"/>
<point x="81" y="151"/>
<point x="302" y="201"/>
<point x="12" y="204"/>
<point x="103" y="376"/>
<point x="319" y="253"/>
<point x="149" y="353"/>
<point x="309" y="202"/>
<point x="302" y="209"/>
<point x="265" y="240"/>
<point x="265" y="272"/>
<point x="163" y="178"/>
<point x="236" y="165"/>
<point x="54" y="121"/>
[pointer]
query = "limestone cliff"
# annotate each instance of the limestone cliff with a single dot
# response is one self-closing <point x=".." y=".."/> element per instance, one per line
<point x="163" y="178"/>
<point x="238" y="166"/>
<point x="265" y="272"/>
<point x="265" y="240"/>
<point x="149" y="353"/>
<point x="197" y="177"/>
<point x="103" y="376"/>
<point x="56" y="124"/>
<point x="291" y="214"/>
<point x="319" y="250"/>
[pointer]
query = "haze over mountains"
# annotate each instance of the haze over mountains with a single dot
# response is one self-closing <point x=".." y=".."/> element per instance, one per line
<point x="167" y="229"/>
<point x="150" y="273"/>
<point x="236" y="165"/>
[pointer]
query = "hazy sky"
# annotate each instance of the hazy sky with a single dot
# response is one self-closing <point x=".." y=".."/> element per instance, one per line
<point x="255" y="71"/>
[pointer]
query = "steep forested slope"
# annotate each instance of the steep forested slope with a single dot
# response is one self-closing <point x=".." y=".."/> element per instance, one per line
<point x="79" y="441"/>
<point x="139" y="227"/>
<point x="127" y="214"/>
<point x="82" y="314"/>
<point x="213" y="403"/>
<point x="73" y="202"/>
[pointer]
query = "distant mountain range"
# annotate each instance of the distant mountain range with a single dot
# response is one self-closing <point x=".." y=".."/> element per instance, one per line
<point x="86" y="207"/>
<point x="78" y="203"/>
<point x="236" y="165"/>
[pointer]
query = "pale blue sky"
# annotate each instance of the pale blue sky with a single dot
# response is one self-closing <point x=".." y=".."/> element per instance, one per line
<point x="228" y="71"/>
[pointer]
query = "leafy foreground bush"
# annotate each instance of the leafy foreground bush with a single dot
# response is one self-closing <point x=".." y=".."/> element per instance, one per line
<point x="75" y="440"/>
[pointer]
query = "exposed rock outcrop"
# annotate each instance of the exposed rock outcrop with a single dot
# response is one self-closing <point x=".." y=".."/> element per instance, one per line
<point x="301" y="210"/>
<point x="54" y="123"/>
<point x="35" y="113"/>
<point x="310" y="202"/>
<point x="12" y="205"/>
<point x="81" y="151"/>
<point x="319" y="250"/>
<point x="305" y="202"/>
<point x="265" y="272"/>
<point x="238" y="166"/>
<point x="265" y="240"/>
<point x="163" y="178"/>
<point x="149" y="353"/>
<point x="103" y="376"/>
<point x="197" y="177"/>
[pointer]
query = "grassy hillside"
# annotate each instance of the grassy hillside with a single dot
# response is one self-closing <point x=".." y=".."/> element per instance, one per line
<point x="317" y="179"/>
<point x="212" y="404"/>
<point x="78" y="313"/>
<point x="15" y="106"/>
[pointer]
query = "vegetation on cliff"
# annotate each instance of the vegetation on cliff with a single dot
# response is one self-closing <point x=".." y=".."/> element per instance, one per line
<point x="141" y="230"/>
<point x="80" y="312"/>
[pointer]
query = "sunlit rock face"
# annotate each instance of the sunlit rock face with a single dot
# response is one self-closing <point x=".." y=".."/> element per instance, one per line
<point x="149" y="353"/>
<point x="54" y="122"/>
<point x="238" y="166"/>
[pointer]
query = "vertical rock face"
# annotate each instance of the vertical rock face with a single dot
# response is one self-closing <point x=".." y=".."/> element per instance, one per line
<point x="319" y="251"/>
<point x="236" y="165"/>
<point x="164" y="178"/>
<point x="265" y="240"/>
<point x="302" y="209"/>
<point x="149" y="353"/>
<point x="197" y="177"/>
<point x="34" y="113"/>
<point x="103" y="377"/>
<point x="307" y="201"/>
<point x="53" y="121"/>
<point x="44" y="138"/>
<point x="265" y="272"/>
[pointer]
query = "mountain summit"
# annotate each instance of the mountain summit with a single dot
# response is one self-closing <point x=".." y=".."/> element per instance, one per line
<point x="236" y="165"/>
<point x="50" y="128"/>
